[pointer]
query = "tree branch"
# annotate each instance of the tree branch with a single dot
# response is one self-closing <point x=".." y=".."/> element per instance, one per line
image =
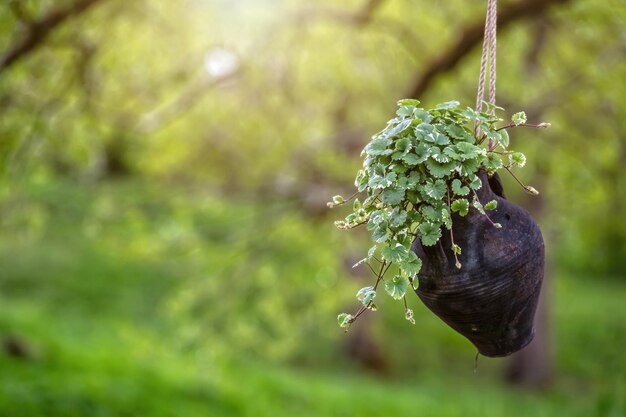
<point x="38" y="30"/>
<point x="471" y="36"/>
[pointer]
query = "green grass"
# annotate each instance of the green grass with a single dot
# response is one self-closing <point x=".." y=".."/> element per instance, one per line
<point x="116" y="370"/>
<point x="132" y="304"/>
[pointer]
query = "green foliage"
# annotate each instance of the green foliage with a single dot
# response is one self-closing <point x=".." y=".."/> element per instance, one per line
<point x="492" y="205"/>
<point x="344" y="320"/>
<point x="397" y="287"/>
<point x="517" y="159"/>
<point x="416" y="173"/>
<point x="461" y="206"/>
<point x="518" y="118"/>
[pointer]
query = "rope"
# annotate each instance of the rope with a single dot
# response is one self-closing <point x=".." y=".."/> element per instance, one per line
<point x="493" y="6"/>
<point x="488" y="54"/>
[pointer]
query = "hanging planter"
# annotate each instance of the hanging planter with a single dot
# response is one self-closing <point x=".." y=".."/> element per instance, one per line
<point x="436" y="211"/>
<point x="492" y="299"/>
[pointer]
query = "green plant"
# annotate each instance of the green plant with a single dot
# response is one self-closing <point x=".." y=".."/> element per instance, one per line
<point x="417" y="171"/>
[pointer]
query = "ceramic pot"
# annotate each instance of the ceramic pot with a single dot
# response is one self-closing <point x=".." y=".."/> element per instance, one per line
<point x="492" y="299"/>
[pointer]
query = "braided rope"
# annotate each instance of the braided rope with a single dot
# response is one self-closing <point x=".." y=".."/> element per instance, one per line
<point x="488" y="54"/>
<point x="492" y="52"/>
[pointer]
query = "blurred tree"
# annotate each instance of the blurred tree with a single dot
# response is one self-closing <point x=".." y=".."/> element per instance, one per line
<point x="272" y="99"/>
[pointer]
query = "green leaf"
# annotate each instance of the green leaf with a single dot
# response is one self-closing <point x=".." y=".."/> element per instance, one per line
<point x="392" y="196"/>
<point x="361" y="180"/>
<point x="405" y="111"/>
<point x="397" y="287"/>
<point x="519" y="118"/>
<point x="468" y="151"/>
<point x="414" y="178"/>
<point x="411" y="265"/>
<point x="491" y="106"/>
<point x="504" y="138"/>
<point x="423" y="129"/>
<point x="458" y="188"/>
<point x="338" y="199"/>
<point x="440" y="170"/>
<point x="408" y="102"/>
<point x="476" y="183"/>
<point x="437" y="138"/>
<point x="447" y="105"/>
<point x="414" y="216"/>
<point x="378" y="181"/>
<point x="430" y="213"/>
<point x="408" y="314"/>
<point x="394" y="253"/>
<point x="398" y="128"/>
<point x="398" y="217"/>
<point x="461" y="206"/>
<point x="403" y="145"/>
<point x="456" y="249"/>
<point x="492" y="162"/>
<point x="344" y="320"/>
<point x="362" y="261"/>
<point x="457" y="132"/>
<point x="429" y="233"/>
<point x="490" y="132"/>
<point x="422" y="115"/>
<point x="420" y="153"/>
<point x="517" y="158"/>
<point x="471" y="114"/>
<point x="469" y="167"/>
<point x="356" y="205"/>
<point x="478" y="206"/>
<point x="381" y="233"/>
<point x="438" y="155"/>
<point x="403" y="182"/>
<point x="492" y="205"/>
<point x="445" y="217"/>
<point x="378" y="218"/>
<point x="399" y="168"/>
<point x="365" y="295"/>
<point x="435" y="190"/>
<point x="411" y="159"/>
<point x="451" y="152"/>
<point x="397" y="155"/>
<point x="378" y="147"/>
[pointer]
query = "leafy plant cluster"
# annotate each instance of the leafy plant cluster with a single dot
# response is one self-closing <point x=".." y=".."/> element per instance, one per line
<point x="418" y="171"/>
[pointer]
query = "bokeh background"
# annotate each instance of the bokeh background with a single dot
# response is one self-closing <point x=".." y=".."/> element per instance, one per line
<point x="165" y="246"/>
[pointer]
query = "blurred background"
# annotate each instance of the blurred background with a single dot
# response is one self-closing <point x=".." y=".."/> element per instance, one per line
<point x="165" y="246"/>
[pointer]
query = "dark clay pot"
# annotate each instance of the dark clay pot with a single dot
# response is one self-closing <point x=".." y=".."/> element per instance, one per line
<point x="492" y="299"/>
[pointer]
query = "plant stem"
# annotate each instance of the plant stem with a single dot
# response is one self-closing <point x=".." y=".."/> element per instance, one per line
<point x="356" y="225"/>
<point x="383" y="268"/>
<point x="539" y="126"/>
<point x="370" y="267"/>
<point x="457" y="263"/>
<point x="514" y="176"/>
<point x="347" y="200"/>
<point x="485" y="212"/>
<point x="526" y="188"/>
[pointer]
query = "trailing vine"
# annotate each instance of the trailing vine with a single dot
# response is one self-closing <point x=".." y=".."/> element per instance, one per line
<point x="418" y="171"/>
